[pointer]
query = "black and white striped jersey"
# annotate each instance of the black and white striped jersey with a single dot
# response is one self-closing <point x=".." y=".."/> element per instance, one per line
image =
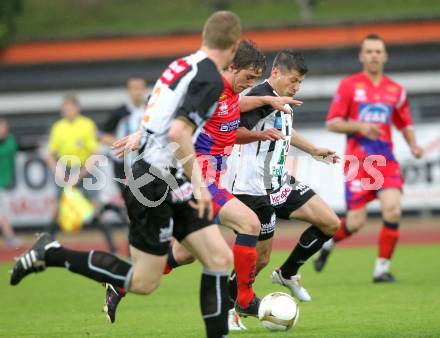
<point x="261" y="168"/>
<point x="189" y="87"/>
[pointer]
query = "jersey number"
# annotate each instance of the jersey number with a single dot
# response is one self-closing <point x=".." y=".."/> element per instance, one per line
<point x="174" y="72"/>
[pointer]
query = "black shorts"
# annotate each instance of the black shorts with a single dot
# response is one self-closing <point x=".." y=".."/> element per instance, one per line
<point x="280" y="203"/>
<point x="155" y="217"/>
<point x="119" y="172"/>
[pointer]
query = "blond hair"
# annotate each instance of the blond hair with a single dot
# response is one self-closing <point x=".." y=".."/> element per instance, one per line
<point x="221" y="30"/>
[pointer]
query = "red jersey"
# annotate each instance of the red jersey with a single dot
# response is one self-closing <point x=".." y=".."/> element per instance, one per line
<point x="217" y="137"/>
<point x="358" y="99"/>
<point x="219" y="133"/>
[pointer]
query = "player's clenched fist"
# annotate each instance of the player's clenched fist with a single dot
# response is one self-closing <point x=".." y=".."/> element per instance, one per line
<point x="370" y="130"/>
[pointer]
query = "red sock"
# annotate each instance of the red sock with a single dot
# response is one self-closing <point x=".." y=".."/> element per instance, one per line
<point x="245" y="260"/>
<point x="342" y="232"/>
<point x="167" y="269"/>
<point x="387" y="241"/>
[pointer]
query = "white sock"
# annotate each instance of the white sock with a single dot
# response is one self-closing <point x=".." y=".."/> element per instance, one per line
<point x="382" y="265"/>
<point x="328" y="245"/>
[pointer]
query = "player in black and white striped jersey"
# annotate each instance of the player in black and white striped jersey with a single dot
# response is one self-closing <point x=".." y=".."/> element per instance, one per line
<point x="158" y="194"/>
<point x="267" y="188"/>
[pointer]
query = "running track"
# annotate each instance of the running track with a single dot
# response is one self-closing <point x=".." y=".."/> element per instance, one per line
<point x="414" y="233"/>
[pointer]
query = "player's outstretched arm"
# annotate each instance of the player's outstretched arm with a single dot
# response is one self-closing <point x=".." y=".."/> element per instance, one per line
<point x="245" y="136"/>
<point x="281" y="103"/>
<point x="320" y="154"/>
<point x="180" y="132"/>
<point x="410" y="138"/>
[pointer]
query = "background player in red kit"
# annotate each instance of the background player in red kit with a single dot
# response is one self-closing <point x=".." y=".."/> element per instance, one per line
<point x="365" y="106"/>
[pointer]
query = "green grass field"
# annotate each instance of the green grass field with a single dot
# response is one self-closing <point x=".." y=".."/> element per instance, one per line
<point x="345" y="302"/>
<point x="82" y="18"/>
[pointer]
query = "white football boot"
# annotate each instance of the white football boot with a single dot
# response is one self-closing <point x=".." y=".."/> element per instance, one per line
<point x="234" y="321"/>
<point x="293" y="284"/>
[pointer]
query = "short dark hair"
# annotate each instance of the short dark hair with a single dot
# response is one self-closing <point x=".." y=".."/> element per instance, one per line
<point x="373" y="36"/>
<point x="135" y="77"/>
<point x="289" y="59"/>
<point x="249" y="56"/>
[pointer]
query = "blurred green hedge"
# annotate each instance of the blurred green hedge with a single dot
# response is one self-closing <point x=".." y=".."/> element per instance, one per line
<point x="9" y="9"/>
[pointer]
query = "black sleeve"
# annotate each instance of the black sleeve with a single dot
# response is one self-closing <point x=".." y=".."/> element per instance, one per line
<point x="203" y="92"/>
<point x="250" y="119"/>
<point x="110" y="125"/>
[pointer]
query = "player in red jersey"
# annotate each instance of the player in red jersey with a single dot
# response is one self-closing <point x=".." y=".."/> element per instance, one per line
<point x="365" y="106"/>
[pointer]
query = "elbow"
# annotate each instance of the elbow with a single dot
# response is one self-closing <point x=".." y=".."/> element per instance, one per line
<point x="331" y="127"/>
<point x="175" y="131"/>
<point x="174" y="135"/>
<point x="239" y="140"/>
<point x="241" y="136"/>
<point x="179" y="130"/>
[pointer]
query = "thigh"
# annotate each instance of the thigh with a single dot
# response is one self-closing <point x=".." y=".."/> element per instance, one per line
<point x="390" y="203"/>
<point x="315" y="211"/>
<point x="389" y="197"/>
<point x="147" y="268"/>
<point x="237" y="216"/>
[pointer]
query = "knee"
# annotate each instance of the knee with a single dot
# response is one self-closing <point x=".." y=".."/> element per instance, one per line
<point x="140" y="286"/>
<point x="187" y="259"/>
<point x="331" y="225"/>
<point x="221" y="260"/>
<point x="392" y="213"/>
<point x="355" y="225"/>
<point x="250" y="225"/>
<point x="183" y="257"/>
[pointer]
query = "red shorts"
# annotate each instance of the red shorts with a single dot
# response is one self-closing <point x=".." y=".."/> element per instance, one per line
<point x="362" y="186"/>
<point x="220" y="197"/>
<point x="213" y="167"/>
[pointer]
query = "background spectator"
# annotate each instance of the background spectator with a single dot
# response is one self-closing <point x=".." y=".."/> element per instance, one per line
<point x="74" y="136"/>
<point x="8" y="149"/>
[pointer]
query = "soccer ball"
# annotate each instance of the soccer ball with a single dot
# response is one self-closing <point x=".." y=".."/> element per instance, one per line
<point x="278" y="311"/>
